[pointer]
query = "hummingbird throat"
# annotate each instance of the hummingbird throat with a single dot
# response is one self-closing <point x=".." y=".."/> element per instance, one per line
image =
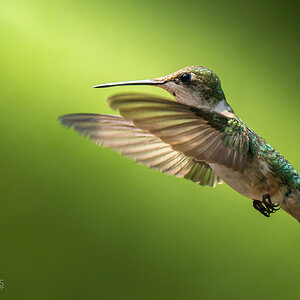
<point x="196" y="97"/>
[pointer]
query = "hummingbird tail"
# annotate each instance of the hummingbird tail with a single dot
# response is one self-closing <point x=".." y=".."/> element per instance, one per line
<point x="140" y="145"/>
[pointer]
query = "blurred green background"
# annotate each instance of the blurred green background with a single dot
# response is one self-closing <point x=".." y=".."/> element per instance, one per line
<point x="81" y="222"/>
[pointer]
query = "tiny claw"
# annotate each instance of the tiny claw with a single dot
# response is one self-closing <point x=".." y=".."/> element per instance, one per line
<point x="268" y="203"/>
<point x="261" y="208"/>
<point x="265" y="207"/>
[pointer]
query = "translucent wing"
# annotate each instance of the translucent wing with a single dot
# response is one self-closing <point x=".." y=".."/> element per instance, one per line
<point x="199" y="133"/>
<point x="140" y="145"/>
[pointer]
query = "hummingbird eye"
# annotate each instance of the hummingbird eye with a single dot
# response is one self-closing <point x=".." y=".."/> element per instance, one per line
<point x="185" y="78"/>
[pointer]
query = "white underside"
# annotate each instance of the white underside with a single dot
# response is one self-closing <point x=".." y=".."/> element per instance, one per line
<point x="253" y="183"/>
<point x="256" y="181"/>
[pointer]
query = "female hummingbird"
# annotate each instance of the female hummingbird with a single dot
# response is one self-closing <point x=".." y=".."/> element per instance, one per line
<point x="197" y="136"/>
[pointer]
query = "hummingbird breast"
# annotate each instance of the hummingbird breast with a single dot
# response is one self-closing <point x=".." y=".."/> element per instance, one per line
<point x="254" y="182"/>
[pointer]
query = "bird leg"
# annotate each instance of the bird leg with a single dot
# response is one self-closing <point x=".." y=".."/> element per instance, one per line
<point x="265" y="207"/>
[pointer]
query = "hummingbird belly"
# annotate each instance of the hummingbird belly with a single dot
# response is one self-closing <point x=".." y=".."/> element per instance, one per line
<point x="254" y="182"/>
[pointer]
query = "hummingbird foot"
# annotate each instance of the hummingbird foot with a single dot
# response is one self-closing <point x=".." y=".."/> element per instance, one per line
<point x="269" y="205"/>
<point x="265" y="207"/>
<point x="258" y="205"/>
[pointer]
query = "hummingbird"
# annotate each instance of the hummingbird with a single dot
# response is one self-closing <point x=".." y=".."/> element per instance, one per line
<point x="197" y="136"/>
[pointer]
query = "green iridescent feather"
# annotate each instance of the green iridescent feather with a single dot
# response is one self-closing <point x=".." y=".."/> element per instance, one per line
<point x="277" y="163"/>
<point x="242" y="139"/>
<point x="235" y="136"/>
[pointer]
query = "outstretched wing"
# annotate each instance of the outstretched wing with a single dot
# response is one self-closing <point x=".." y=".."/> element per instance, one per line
<point x="140" y="145"/>
<point x="199" y="133"/>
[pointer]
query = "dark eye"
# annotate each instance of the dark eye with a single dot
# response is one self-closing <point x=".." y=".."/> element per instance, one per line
<point x="185" y="78"/>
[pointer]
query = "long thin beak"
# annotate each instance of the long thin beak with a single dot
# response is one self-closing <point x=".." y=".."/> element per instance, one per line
<point x="134" y="82"/>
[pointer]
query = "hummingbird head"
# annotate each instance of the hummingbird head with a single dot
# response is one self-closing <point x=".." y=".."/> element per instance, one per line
<point x="194" y="86"/>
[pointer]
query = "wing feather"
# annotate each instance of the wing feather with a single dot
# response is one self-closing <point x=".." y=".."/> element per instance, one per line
<point x="140" y="145"/>
<point x="200" y="133"/>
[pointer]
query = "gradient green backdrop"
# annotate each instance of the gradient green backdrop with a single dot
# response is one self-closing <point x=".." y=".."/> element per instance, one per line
<point x="80" y="222"/>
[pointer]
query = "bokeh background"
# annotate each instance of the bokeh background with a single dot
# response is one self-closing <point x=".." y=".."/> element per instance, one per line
<point x="81" y="222"/>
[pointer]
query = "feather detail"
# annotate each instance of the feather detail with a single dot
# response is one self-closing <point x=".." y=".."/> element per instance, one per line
<point x="140" y="145"/>
<point x="200" y="133"/>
